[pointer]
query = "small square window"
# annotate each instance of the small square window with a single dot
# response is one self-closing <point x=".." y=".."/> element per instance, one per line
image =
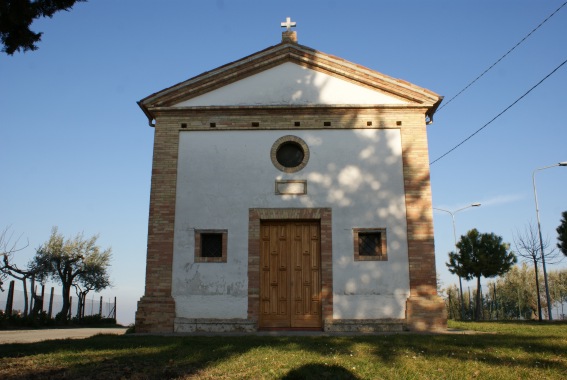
<point x="210" y="246"/>
<point x="370" y="244"/>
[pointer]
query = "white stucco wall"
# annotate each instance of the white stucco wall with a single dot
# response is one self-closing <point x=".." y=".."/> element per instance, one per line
<point x="290" y="84"/>
<point x="357" y="173"/>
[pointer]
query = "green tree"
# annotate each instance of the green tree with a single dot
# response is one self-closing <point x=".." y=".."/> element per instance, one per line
<point x="72" y="262"/>
<point x="516" y="293"/>
<point x="562" y="234"/>
<point x="451" y="296"/>
<point x="16" y="16"/>
<point x="558" y="290"/>
<point x="95" y="277"/>
<point x="480" y="255"/>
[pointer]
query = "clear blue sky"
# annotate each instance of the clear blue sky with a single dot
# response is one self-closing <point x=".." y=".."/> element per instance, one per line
<point x="75" y="149"/>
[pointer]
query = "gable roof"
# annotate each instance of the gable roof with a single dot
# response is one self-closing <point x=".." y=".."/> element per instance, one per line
<point x="180" y="95"/>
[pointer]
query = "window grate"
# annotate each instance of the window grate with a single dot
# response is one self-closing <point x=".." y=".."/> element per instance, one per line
<point x="211" y="245"/>
<point x="370" y="244"/>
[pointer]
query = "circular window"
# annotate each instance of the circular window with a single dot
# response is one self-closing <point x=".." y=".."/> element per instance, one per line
<point x="290" y="154"/>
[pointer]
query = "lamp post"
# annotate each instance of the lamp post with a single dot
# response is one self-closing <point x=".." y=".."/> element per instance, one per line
<point x="452" y="213"/>
<point x="564" y="163"/>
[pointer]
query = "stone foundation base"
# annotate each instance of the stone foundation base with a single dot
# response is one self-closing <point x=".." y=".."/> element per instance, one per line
<point x="187" y="325"/>
<point x="365" y="325"/>
<point x="155" y="315"/>
<point x="426" y="313"/>
<point x="423" y="313"/>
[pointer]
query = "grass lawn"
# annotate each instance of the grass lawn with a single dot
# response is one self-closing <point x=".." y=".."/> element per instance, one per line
<point x="499" y="351"/>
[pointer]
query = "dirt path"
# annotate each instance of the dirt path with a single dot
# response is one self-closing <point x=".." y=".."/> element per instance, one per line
<point x="31" y="336"/>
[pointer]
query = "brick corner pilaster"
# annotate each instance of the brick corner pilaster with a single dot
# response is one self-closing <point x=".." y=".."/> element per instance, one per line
<point x="426" y="313"/>
<point x="425" y="310"/>
<point x="155" y="315"/>
<point x="156" y="309"/>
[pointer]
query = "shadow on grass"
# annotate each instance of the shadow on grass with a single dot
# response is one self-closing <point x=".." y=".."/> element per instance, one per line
<point x="319" y="371"/>
<point x="157" y="357"/>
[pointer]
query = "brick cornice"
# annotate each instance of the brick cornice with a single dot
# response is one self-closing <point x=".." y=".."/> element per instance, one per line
<point x="319" y="108"/>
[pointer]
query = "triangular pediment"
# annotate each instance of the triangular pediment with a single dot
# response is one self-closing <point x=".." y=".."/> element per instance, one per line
<point x="291" y="84"/>
<point x="290" y="74"/>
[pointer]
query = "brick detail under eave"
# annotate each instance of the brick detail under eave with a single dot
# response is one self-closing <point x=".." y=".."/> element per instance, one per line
<point x="156" y="309"/>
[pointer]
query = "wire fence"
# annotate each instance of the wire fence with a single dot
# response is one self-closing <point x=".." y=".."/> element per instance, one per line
<point x="53" y="303"/>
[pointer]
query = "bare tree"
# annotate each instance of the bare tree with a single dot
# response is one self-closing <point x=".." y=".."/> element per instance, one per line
<point x="8" y="247"/>
<point x="528" y="248"/>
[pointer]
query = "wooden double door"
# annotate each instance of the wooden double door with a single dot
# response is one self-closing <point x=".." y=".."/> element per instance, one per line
<point x="290" y="275"/>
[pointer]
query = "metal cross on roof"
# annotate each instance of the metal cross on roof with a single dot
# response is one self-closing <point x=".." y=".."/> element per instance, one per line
<point x="288" y="23"/>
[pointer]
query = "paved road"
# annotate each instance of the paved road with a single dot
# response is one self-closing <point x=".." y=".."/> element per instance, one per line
<point x="31" y="336"/>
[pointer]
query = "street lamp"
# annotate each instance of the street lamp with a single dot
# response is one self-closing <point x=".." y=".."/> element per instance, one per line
<point x="452" y="213"/>
<point x="564" y="163"/>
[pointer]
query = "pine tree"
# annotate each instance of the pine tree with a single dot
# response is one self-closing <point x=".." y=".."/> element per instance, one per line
<point x="16" y="16"/>
<point x="480" y="255"/>
<point x="562" y="234"/>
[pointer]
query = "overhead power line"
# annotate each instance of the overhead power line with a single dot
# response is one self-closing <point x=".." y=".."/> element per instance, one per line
<point x="500" y="114"/>
<point x="501" y="58"/>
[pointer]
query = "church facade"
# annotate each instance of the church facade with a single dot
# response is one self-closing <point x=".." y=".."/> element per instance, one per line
<point x="290" y="190"/>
